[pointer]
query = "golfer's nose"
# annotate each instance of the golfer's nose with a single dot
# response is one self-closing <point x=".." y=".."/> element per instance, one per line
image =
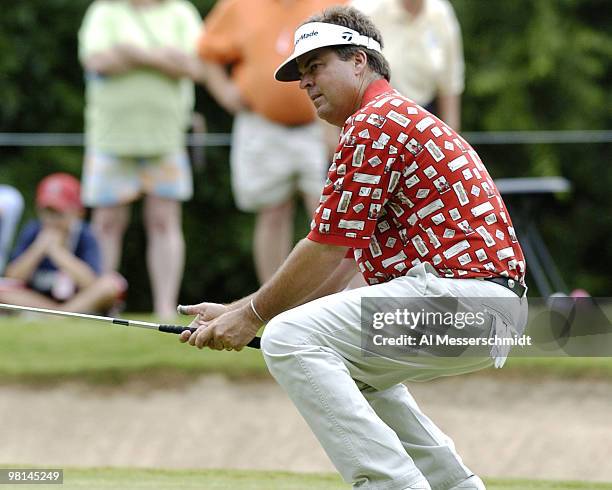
<point x="306" y="81"/>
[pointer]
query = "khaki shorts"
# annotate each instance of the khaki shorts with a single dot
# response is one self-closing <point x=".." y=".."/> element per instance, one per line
<point x="271" y="162"/>
<point x="109" y="180"/>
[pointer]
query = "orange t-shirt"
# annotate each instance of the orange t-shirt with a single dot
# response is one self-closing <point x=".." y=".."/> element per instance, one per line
<point x="256" y="36"/>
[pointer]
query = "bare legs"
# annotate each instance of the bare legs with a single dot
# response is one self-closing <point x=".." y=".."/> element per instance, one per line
<point x="93" y="299"/>
<point x="165" y="247"/>
<point x="165" y="253"/>
<point x="273" y="237"/>
<point x="109" y="225"/>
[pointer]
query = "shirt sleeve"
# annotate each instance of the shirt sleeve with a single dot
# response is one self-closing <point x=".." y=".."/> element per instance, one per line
<point x="88" y="250"/>
<point x="95" y="34"/>
<point x="219" y="39"/>
<point x="452" y="80"/>
<point x="359" y="181"/>
<point x="26" y="237"/>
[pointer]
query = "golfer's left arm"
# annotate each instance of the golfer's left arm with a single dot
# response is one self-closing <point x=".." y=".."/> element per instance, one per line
<point x="308" y="267"/>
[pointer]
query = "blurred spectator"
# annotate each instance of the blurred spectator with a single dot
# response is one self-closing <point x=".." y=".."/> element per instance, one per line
<point x="11" y="207"/>
<point x="139" y="58"/>
<point x="424" y="50"/>
<point x="56" y="260"/>
<point x="279" y="148"/>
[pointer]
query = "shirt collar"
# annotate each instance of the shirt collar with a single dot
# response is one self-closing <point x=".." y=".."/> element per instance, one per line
<point x="376" y="88"/>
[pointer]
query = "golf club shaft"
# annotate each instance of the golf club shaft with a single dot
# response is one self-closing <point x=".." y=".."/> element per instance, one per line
<point x="175" y="329"/>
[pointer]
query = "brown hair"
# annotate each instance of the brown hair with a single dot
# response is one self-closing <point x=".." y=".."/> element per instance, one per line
<point x="354" y="19"/>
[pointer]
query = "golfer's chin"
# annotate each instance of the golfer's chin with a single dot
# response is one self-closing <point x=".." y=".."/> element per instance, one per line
<point x="324" y="112"/>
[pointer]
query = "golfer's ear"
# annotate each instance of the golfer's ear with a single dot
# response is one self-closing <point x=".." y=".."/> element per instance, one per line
<point x="361" y="61"/>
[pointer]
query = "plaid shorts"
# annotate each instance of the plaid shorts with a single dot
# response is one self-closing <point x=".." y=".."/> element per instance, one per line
<point x="109" y="179"/>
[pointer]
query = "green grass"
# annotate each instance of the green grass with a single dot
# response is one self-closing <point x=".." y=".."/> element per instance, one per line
<point x="50" y="349"/>
<point x="562" y="367"/>
<point x="135" y="479"/>
<point x="506" y="484"/>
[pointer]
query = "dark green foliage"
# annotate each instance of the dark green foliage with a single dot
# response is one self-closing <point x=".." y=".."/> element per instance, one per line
<point x="531" y="64"/>
<point x="546" y="65"/>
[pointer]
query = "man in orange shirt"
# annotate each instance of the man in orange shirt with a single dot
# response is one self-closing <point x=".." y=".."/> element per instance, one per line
<point x="278" y="147"/>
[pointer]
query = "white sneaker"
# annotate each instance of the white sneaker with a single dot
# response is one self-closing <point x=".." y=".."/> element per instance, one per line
<point x="471" y="483"/>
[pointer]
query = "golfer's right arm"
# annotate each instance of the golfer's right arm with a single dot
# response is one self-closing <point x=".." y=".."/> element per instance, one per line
<point x="309" y="266"/>
<point x="336" y="280"/>
<point x="311" y="271"/>
<point x="331" y="281"/>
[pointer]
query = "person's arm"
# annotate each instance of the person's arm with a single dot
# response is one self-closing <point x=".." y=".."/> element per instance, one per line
<point x="78" y="270"/>
<point x="219" y="46"/>
<point x="337" y="281"/>
<point x="170" y="61"/>
<point x="100" y="51"/>
<point x="25" y="264"/>
<point x="308" y="267"/>
<point x="449" y="107"/>
<point x="121" y="58"/>
<point x="222" y="87"/>
<point x="109" y="62"/>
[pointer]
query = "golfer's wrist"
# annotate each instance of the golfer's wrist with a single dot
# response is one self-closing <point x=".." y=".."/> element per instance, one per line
<point x="253" y="312"/>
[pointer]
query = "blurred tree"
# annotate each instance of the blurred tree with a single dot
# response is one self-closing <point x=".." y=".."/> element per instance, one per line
<point x="539" y="65"/>
<point x="546" y="65"/>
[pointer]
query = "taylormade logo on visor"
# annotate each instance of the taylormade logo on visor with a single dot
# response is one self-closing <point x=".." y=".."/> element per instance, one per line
<point x="314" y="35"/>
<point x="306" y="35"/>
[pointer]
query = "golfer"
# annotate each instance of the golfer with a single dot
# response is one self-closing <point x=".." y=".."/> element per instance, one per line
<point x="410" y="203"/>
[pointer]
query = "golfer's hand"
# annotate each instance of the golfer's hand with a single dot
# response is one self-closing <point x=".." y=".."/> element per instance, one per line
<point x="231" y="331"/>
<point x="204" y="313"/>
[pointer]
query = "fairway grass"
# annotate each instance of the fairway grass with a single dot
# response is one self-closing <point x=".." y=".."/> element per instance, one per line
<point x="50" y="349"/>
<point x="53" y="349"/>
<point x="132" y="479"/>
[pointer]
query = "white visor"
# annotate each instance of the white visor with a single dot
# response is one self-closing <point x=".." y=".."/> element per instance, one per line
<point x="316" y="35"/>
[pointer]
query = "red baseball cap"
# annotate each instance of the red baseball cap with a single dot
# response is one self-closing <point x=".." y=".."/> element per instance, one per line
<point x="59" y="191"/>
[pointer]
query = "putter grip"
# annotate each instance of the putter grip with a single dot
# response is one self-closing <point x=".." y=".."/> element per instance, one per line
<point x="178" y="329"/>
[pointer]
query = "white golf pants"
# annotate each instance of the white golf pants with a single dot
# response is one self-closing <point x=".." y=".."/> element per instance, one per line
<point x="364" y="417"/>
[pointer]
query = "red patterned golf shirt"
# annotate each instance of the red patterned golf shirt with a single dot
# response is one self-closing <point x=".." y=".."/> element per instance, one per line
<point x="404" y="188"/>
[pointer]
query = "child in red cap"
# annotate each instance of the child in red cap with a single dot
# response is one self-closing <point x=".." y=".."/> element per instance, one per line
<point x="56" y="257"/>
